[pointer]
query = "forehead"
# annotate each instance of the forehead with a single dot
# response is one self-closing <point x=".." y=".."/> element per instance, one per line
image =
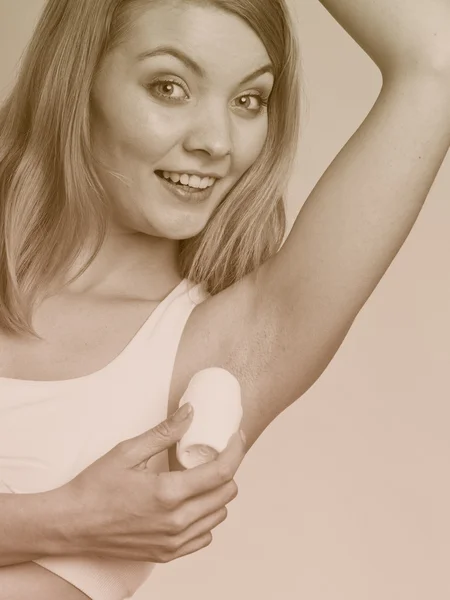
<point x="220" y="41"/>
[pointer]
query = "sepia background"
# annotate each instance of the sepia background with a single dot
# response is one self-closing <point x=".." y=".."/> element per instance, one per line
<point x="346" y="495"/>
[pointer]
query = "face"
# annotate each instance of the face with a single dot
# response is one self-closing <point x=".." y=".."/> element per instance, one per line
<point x="179" y="112"/>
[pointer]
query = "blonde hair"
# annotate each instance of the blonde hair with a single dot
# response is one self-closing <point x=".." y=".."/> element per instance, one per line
<point x="52" y="204"/>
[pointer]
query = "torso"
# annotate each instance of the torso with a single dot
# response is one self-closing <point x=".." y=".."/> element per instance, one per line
<point x="82" y="336"/>
<point x="29" y="579"/>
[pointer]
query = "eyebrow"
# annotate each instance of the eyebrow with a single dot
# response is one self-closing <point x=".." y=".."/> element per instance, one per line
<point x="195" y="67"/>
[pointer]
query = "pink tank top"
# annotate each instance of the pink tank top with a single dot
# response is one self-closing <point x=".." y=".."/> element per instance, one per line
<point x="82" y="419"/>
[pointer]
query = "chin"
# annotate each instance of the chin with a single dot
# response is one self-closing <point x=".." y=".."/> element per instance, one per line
<point x="184" y="227"/>
<point x="183" y="234"/>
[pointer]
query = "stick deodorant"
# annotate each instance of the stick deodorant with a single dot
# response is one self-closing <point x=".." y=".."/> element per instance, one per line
<point x="215" y="396"/>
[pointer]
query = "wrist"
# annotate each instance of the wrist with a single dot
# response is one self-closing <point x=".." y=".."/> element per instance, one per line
<point x="59" y="524"/>
<point x="34" y="526"/>
<point x="54" y="523"/>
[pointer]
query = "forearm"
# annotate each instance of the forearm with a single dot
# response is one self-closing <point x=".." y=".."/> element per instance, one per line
<point x="32" y="526"/>
<point x="397" y="34"/>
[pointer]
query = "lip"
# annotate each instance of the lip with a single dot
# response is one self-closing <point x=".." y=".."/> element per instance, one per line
<point x="193" y="172"/>
<point x="187" y="196"/>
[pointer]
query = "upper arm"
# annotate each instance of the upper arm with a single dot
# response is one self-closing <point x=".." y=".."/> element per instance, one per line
<point x="278" y="328"/>
<point x="352" y="226"/>
<point x="253" y="339"/>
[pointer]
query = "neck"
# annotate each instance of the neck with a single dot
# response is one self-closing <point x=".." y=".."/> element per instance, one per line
<point x="132" y="263"/>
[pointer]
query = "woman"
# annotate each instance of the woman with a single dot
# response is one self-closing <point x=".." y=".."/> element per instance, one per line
<point x="122" y="112"/>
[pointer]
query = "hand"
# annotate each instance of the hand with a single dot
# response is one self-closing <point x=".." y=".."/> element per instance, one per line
<point x="121" y="509"/>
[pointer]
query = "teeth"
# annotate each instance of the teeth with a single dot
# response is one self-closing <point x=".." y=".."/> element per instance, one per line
<point x="190" y="180"/>
<point x="173" y="176"/>
<point x="194" y="181"/>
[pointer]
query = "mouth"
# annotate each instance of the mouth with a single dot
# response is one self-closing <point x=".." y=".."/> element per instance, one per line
<point x="187" y="187"/>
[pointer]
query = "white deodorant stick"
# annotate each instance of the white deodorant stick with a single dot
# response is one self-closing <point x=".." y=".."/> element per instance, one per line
<point x="215" y="395"/>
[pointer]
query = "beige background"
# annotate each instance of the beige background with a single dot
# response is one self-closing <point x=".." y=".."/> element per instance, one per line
<point x="346" y="495"/>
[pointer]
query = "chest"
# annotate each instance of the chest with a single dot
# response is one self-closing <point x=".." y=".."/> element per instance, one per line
<point x="51" y="432"/>
<point x="78" y="338"/>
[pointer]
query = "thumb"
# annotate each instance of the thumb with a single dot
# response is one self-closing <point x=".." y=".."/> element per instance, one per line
<point x="163" y="436"/>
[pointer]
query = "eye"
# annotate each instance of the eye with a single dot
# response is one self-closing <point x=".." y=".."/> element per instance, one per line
<point x="252" y="103"/>
<point x="170" y="90"/>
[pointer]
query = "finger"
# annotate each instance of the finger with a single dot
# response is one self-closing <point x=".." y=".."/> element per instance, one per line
<point x="200" y="527"/>
<point x="235" y="450"/>
<point x="193" y="546"/>
<point x="197" y="508"/>
<point x="164" y="435"/>
<point x="206" y="477"/>
<point x="220" y="471"/>
<point x="193" y="510"/>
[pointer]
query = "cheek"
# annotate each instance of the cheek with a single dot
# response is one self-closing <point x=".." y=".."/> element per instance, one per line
<point x="155" y="133"/>
<point x="249" y="144"/>
<point x="132" y="132"/>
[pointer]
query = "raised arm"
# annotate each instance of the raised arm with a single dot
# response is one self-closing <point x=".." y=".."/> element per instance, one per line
<point x="361" y="211"/>
<point x="278" y="329"/>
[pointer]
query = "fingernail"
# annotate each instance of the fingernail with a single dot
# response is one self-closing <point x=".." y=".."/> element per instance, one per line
<point x="243" y="436"/>
<point x="182" y="413"/>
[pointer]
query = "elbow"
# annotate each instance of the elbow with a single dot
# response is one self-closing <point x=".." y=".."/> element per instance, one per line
<point x="430" y="47"/>
<point x="430" y="72"/>
<point x="429" y="59"/>
<point x="433" y="60"/>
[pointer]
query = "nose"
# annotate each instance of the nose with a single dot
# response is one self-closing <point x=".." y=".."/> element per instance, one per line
<point x="210" y="132"/>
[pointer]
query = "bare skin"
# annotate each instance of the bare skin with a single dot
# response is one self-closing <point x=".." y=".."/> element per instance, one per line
<point x="17" y="582"/>
<point x="278" y="328"/>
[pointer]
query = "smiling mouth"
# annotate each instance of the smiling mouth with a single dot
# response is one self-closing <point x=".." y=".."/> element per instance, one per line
<point x="185" y="180"/>
<point x="190" y="189"/>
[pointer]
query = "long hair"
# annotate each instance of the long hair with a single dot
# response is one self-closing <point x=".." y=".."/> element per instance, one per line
<point x="52" y="203"/>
